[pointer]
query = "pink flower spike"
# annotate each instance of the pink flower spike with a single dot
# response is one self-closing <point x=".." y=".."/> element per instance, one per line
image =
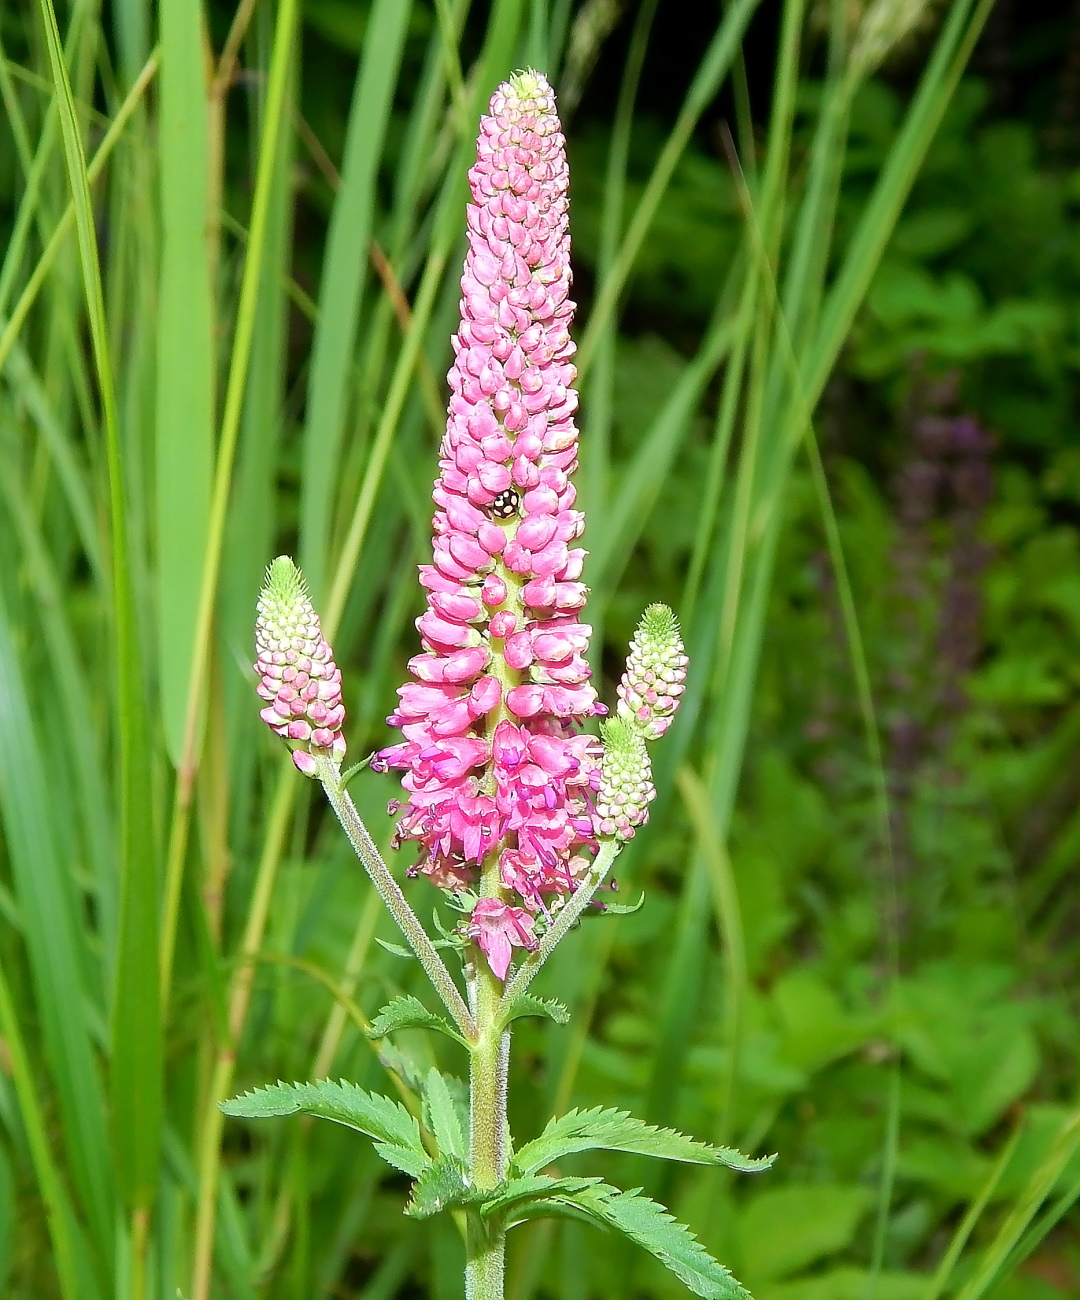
<point x="296" y="669"/>
<point x="498" y="929"/>
<point x="498" y="779"/>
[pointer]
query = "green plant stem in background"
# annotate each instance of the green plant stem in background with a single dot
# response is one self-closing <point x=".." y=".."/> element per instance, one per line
<point x="136" y="1029"/>
<point x="972" y="1216"/>
<point x="729" y="917"/>
<point x="1038" y="1187"/>
<point x="284" y="37"/>
<point x="714" y="66"/>
<point x="14" y="325"/>
<point x="70" y="1251"/>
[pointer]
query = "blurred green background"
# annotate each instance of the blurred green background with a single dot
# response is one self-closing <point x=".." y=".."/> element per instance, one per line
<point x="827" y="258"/>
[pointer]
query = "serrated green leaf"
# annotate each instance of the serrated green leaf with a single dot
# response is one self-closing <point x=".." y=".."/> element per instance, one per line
<point x="401" y="1064"/>
<point x="521" y="1194"/>
<point x="441" y="1185"/>
<point x="617" y="1130"/>
<point x="442" y="1115"/>
<point x="404" y="1158"/>
<point x="387" y="1121"/>
<point x="410" y="1013"/>
<point x="653" y="1228"/>
<point x="527" y="1005"/>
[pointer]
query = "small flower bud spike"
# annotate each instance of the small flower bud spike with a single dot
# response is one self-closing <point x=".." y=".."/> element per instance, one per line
<point x="653" y="682"/>
<point x="626" y="788"/>
<point x="296" y="668"/>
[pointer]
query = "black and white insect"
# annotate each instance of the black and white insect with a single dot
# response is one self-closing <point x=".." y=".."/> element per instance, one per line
<point x="505" y="505"/>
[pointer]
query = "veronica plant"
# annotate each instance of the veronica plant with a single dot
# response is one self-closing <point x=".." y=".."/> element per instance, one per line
<point x="516" y="812"/>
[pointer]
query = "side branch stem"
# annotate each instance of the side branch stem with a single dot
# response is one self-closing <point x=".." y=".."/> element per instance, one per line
<point x="390" y="892"/>
<point x="575" y="905"/>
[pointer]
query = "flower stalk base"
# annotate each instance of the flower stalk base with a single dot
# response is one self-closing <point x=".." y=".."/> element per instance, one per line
<point x="489" y="1144"/>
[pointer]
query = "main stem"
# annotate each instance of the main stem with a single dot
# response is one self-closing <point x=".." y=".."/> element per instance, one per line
<point x="485" y="1243"/>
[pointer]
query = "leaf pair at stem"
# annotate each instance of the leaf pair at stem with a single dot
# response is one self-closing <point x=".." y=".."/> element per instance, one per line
<point x="437" y="1161"/>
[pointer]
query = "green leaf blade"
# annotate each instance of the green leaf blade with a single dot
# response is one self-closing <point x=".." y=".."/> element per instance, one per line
<point x="55" y="943"/>
<point x="525" y="1004"/>
<point x="443" y="1113"/>
<point x="379" y="1117"/>
<point x="650" y="1226"/>
<point x="617" y="1130"/>
<point x="408" y="1012"/>
<point x="344" y="278"/>
<point x="185" y="361"/>
<point x="136" y="1040"/>
<point x="531" y="1193"/>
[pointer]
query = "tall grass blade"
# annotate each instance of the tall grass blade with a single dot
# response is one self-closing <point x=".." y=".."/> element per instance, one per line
<point x="57" y="241"/>
<point x="1016" y="1222"/>
<point x="972" y="1215"/>
<point x="69" y="1246"/>
<point x="56" y="950"/>
<point x="185" y="359"/>
<point x="714" y="67"/>
<point x="136" y="1038"/>
<point x="343" y="281"/>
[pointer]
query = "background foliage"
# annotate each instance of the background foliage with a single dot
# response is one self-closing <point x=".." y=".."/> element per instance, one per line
<point x="232" y="243"/>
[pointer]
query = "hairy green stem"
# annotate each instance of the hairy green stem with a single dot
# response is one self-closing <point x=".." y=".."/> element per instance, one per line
<point x="489" y="1145"/>
<point x="572" y="909"/>
<point x="329" y="774"/>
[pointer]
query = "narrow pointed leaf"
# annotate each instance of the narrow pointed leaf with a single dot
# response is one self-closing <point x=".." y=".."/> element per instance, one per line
<point x="443" y="1115"/>
<point x="185" y="351"/>
<point x="136" y="1078"/>
<point x="616" y="1130"/>
<point x="622" y="909"/>
<point x="54" y="940"/>
<point x="344" y="276"/>
<point x="410" y="1013"/>
<point x="398" y="950"/>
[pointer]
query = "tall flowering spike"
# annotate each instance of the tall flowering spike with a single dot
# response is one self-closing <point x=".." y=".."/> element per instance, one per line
<point x="653" y="682"/>
<point x="626" y="788"/>
<point x="296" y="668"/>
<point x="497" y="777"/>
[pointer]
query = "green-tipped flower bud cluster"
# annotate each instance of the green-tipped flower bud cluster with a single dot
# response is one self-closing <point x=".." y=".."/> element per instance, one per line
<point x="626" y="788"/>
<point x="296" y="668"/>
<point x="653" y="682"/>
<point x="649" y="694"/>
